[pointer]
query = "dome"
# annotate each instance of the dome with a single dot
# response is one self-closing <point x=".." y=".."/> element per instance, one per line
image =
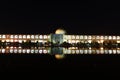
<point x="60" y="31"/>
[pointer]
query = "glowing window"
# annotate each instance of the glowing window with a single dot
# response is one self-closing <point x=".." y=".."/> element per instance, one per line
<point x="40" y="36"/>
<point x="101" y="41"/>
<point x="11" y="50"/>
<point x="20" y="36"/>
<point x="110" y="37"/>
<point x="20" y="41"/>
<point x="118" y="41"/>
<point x="110" y="51"/>
<point x="73" y="51"/>
<point x="45" y="36"/>
<point x="11" y="47"/>
<point x="4" y="36"/>
<point x="16" y="36"/>
<point x="15" y="50"/>
<point x="45" y="51"/>
<point x="11" y="40"/>
<point x="15" y="40"/>
<point x="7" y="47"/>
<point x="32" y="40"/>
<point x="114" y="37"/>
<point x="89" y="51"/>
<point x="73" y="37"/>
<point x="19" y="51"/>
<point x="36" y="51"/>
<point x="40" y="51"/>
<point x="97" y="51"/>
<point x="93" y="37"/>
<point x="48" y="36"/>
<point x="36" y="36"/>
<point x="0" y="36"/>
<point x="40" y="40"/>
<point x="85" y="51"/>
<point x="118" y="51"/>
<point x="19" y="47"/>
<point x="105" y="37"/>
<point x="65" y="36"/>
<point x="24" y="36"/>
<point x="85" y="37"/>
<point x="3" y="40"/>
<point x="77" y="51"/>
<point x="69" y="41"/>
<point x="3" y="50"/>
<point x="101" y="51"/>
<point x="114" y="51"/>
<point x="32" y="36"/>
<point x="81" y="37"/>
<point x="118" y="37"/>
<point x="81" y="51"/>
<point x="23" y="50"/>
<point x="28" y="36"/>
<point x="35" y="40"/>
<point x="69" y="51"/>
<point x="32" y="51"/>
<point x="77" y="41"/>
<point x="89" y="41"/>
<point x="64" y="51"/>
<point x="48" y="51"/>
<point x="101" y="37"/>
<point x="24" y="40"/>
<point x="28" y="50"/>
<point x="11" y="36"/>
<point x="106" y="51"/>
<point x="89" y="37"/>
<point x="97" y="37"/>
<point x="77" y="37"/>
<point x="69" y="37"/>
<point x="7" y="40"/>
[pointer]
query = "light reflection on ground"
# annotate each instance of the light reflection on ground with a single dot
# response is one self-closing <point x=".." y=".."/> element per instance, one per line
<point x="60" y="50"/>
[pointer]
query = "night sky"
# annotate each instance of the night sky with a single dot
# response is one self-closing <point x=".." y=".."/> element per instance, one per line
<point x="36" y="17"/>
<point x="85" y="17"/>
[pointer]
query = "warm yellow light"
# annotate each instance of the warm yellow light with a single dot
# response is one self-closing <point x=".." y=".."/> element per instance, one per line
<point x="15" y="40"/>
<point x="59" y="56"/>
<point x="28" y="36"/>
<point x="11" y="40"/>
<point x="89" y="41"/>
<point x="118" y="41"/>
<point x="101" y="48"/>
<point x="11" y="47"/>
<point x="77" y="41"/>
<point x="60" y="31"/>
<point x="7" y="47"/>
<point x="3" y="40"/>
<point x="32" y="36"/>
<point x="7" y="40"/>
<point x="101" y="41"/>
<point x="114" y="37"/>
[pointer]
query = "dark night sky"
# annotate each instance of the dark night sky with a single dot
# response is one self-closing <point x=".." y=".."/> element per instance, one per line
<point x="87" y="17"/>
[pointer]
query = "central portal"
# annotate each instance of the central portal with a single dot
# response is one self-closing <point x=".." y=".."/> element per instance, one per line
<point x="57" y="38"/>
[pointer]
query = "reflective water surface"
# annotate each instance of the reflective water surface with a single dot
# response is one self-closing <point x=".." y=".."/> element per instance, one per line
<point x="58" y="50"/>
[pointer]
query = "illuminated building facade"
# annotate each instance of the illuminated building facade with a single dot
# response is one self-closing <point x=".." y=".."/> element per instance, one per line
<point x="19" y="43"/>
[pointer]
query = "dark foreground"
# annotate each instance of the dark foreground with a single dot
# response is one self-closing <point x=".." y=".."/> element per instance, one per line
<point x="48" y="63"/>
